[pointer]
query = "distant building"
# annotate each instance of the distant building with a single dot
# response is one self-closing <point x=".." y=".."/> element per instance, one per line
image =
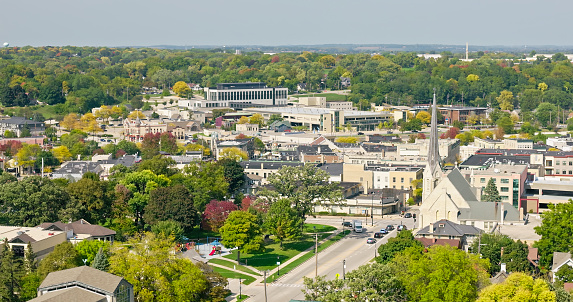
<point x="85" y="284"/>
<point x="243" y="95"/>
<point x="42" y="241"/>
<point x="242" y="128"/>
<point x="344" y="82"/>
<point x="445" y="232"/>
<point x="18" y="124"/>
<point x="80" y="230"/>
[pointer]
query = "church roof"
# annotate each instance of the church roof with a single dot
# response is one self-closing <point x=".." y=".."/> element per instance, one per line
<point x="461" y="185"/>
<point x="487" y="211"/>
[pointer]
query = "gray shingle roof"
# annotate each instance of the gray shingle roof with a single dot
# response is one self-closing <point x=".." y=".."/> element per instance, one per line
<point x="559" y="258"/>
<point x="83" y="274"/>
<point x="80" y="227"/>
<point x="461" y="185"/>
<point x="486" y="211"/>
<point x="72" y="294"/>
<point x="448" y="228"/>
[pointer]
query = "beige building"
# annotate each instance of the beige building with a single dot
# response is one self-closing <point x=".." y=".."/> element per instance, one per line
<point x="135" y="130"/>
<point x="449" y="150"/>
<point x="247" y="128"/>
<point x="42" y="241"/>
<point x="509" y="179"/>
<point x="381" y="176"/>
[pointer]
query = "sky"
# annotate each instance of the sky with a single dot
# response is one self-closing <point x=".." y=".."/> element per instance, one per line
<point x="284" y="22"/>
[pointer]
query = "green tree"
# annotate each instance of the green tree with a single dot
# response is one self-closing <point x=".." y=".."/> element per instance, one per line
<point x="283" y="221"/>
<point x="159" y="164"/>
<point x="505" y="100"/>
<point x="275" y="117"/>
<point x="490" y="193"/>
<point x="565" y="273"/>
<point x="171" y="203"/>
<point x="444" y="273"/>
<point x="370" y="282"/>
<point x="516" y="288"/>
<point x="25" y="131"/>
<point x="545" y="114"/>
<point x="242" y="229"/>
<point x="168" y="228"/>
<point x="139" y="185"/>
<point x="506" y="124"/>
<point x="90" y="200"/>
<point x="555" y="230"/>
<point x="100" y="261"/>
<point x="64" y="256"/>
<point x="88" y="249"/>
<point x="514" y="253"/>
<point x="305" y="186"/>
<point x="395" y="245"/>
<point x="234" y="174"/>
<point x="206" y="181"/>
<point x="10" y="273"/>
<point x="155" y="273"/>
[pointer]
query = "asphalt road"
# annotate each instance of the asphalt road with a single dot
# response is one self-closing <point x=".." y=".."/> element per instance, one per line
<point x="353" y="248"/>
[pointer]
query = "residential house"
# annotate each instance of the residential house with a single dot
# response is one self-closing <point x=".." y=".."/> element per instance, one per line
<point x="560" y="259"/>
<point x="80" y="230"/>
<point x="444" y="232"/>
<point x="42" y="241"/>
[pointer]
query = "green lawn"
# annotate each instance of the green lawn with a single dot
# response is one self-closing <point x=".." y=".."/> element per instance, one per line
<point x="273" y="253"/>
<point x="308" y="255"/>
<point x="320" y="228"/>
<point x="329" y="96"/>
<point x="246" y="280"/>
<point x="233" y="265"/>
<point x="242" y="297"/>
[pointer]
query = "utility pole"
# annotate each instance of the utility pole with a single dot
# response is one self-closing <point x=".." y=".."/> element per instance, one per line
<point x="316" y="256"/>
<point x="265" y="279"/>
<point x="344" y="269"/>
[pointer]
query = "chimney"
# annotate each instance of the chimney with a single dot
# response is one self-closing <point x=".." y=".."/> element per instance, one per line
<point x="502" y="269"/>
<point x="431" y="228"/>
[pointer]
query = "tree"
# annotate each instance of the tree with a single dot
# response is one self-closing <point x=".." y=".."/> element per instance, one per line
<point x="136" y="114"/>
<point x="100" y="261"/>
<point x="514" y="253"/>
<point x="516" y="288"/>
<point x="506" y="124"/>
<point x="139" y="185"/>
<point x="91" y="199"/>
<point x="155" y="273"/>
<point x="216" y="213"/>
<point x="168" y="228"/>
<point x="70" y="122"/>
<point x="182" y="89"/>
<point x="395" y="245"/>
<point x="565" y="273"/>
<point x="62" y="153"/>
<point x="274" y="118"/>
<point x="305" y="186"/>
<point x="444" y="273"/>
<point x="10" y="270"/>
<point x="25" y="131"/>
<point x="283" y="221"/>
<point x="258" y="119"/>
<point x="234" y="174"/>
<point x="31" y="201"/>
<point x="555" y="230"/>
<point x="505" y="100"/>
<point x="206" y="181"/>
<point x="64" y="256"/>
<point x="233" y="153"/>
<point x="490" y="193"/>
<point x="242" y="229"/>
<point x="160" y="165"/>
<point x="545" y="114"/>
<point x="451" y="133"/>
<point x="370" y="282"/>
<point x="171" y="203"/>
<point x="243" y="120"/>
<point x="424" y="116"/>
<point x="152" y="143"/>
<point x="26" y="156"/>
<point x="87" y="250"/>
<point x="347" y="140"/>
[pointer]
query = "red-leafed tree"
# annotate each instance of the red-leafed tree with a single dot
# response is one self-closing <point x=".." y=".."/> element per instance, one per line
<point x="421" y="136"/>
<point x="275" y="59"/>
<point x="10" y="148"/>
<point x="216" y="213"/>
<point x="120" y="153"/>
<point x="246" y="203"/>
<point x="451" y="133"/>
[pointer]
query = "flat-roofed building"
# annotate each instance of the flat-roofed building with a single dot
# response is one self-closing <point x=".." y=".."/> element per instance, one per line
<point x="42" y="241"/>
<point x="509" y="179"/>
<point x="243" y="95"/>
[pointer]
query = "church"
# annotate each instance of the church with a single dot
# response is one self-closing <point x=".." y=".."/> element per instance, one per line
<point x="449" y="195"/>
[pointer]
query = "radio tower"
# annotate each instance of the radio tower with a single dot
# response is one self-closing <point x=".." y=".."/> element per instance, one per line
<point x="467" y="52"/>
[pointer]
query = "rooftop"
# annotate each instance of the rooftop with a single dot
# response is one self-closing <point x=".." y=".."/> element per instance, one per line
<point x="84" y="275"/>
<point x="448" y="228"/>
<point x="500" y="169"/>
<point x="26" y="234"/>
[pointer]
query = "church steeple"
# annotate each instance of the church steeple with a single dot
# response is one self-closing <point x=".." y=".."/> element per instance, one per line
<point x="433" y="170"/>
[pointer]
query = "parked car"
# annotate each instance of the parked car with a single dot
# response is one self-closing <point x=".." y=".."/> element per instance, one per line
<point x="378" y="235"/>
<point x="371" y="241"/>
<point x="347" y="224"/>
<point x="360" y="133"/>
<point x="402" y="228"/>
<point x="389" y="228"/>
<point x="383" y="231"/>
<point x="408" y="215"/>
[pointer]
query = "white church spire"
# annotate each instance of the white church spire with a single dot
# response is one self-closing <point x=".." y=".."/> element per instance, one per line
<point x="433" y="169"/>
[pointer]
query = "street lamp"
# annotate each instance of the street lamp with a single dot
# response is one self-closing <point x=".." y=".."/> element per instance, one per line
<point x="344" y="269"/>
<point x="278" y="266"/>
<point x="372" y="210"/>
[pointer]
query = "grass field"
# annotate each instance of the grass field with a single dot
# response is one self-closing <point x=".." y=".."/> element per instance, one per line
<point x="273" y="253"/>
<point x="246" y="280"/>
<point x="307" y="256"/>
<point x="329" y="96"/>
<point x="233" y="265"/>
<point x="320" y="228"/>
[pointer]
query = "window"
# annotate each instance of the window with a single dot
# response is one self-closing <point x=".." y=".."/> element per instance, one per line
<point x="393" y="179"/>
<point x="504" y="197"/>
<point x="504" y="181"/>
<point x="557" y="163"/>
<point x="482" y="180"/>
<point x="556" y="171"/>
<point x="402" y="180"/>
<point x="564" y="163"/>
<point x="504" y="189"/>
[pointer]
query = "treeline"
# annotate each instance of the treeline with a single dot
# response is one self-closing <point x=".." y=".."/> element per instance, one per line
<point x="76" y="79"/>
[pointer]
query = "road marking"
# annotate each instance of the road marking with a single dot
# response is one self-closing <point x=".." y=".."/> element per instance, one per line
<point x="286" y="285"/>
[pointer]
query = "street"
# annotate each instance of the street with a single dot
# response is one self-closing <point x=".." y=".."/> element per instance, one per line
<point x="353" y="248"/>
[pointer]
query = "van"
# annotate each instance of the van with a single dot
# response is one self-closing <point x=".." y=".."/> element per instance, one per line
<point x="357" y="226"/>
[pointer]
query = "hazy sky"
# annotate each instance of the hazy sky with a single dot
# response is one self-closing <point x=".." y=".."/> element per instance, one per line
<point x="284" y="22"/>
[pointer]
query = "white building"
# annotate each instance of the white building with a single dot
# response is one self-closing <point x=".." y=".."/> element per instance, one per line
<point x="243" y="95"/>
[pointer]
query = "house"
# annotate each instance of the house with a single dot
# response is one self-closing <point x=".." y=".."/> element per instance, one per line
<point x="446" y="232"/>
<point x="301" y="87"/>
<point x="280" y="126"/>
<point x="344" y="82"/>
<point x="242" y="128"/>
<point x="84" y="284"/>
<point x="42" y="241"/>
<point x="80" y="230"/>
<point x="560" y="259"/>
<point x="74" y="170"/>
